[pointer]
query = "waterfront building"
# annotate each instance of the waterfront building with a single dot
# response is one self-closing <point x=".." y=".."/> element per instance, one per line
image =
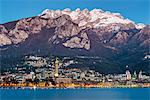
<point x="134" y="76"/>
<point x="64" y="80"/>
<point x="128" y="75"/>
<point x="38" y="75"/>
<point x="82" y="75"/>
<point x="32" y="75"/>
<point x="140" y="75"/>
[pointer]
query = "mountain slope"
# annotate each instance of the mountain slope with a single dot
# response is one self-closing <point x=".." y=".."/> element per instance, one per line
<point x="77" y="33"/>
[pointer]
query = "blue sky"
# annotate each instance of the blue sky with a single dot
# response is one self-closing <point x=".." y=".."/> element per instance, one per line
<point x="136" y="10"/>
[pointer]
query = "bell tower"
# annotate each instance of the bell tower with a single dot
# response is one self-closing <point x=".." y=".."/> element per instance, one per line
<point x="56" y="68"/>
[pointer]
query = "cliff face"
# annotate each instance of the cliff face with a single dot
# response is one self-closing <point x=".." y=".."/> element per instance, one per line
<point x="72" y="33"/>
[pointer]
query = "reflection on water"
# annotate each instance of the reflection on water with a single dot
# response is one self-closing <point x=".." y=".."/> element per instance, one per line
<point x="76" y="94"/>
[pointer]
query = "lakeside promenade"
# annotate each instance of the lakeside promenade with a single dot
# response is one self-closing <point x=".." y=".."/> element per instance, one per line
<point x="99" y="85"/>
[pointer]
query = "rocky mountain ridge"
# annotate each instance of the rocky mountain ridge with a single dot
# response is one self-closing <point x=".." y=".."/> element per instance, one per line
<point x="68" y="23"/>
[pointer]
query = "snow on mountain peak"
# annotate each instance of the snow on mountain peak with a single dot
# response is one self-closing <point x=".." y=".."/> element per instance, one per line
<point x="140" y="26"/>
<point x="95" y="18"/>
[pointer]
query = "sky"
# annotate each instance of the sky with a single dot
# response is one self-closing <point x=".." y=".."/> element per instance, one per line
<point x="135" y="10"/>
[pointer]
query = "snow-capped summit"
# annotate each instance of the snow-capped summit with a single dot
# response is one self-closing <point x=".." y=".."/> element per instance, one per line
<point x="95" y="18"/>
<point x="140" y="26"/>
<point x="51" y="13"/>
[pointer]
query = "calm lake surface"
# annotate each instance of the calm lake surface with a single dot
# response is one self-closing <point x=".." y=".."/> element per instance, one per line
<point x="76" y="94"/>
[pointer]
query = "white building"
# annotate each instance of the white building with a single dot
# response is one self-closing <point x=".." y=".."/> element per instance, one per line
<point x="128" y="75"/>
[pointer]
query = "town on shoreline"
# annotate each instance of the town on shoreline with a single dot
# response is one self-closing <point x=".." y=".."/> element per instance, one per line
<point x="38" y="74"/>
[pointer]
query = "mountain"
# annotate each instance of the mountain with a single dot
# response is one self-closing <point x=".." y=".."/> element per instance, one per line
<point x="78" y="33"/>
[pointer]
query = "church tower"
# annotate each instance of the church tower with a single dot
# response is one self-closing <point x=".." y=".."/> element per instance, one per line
<point x="56" y="68"/>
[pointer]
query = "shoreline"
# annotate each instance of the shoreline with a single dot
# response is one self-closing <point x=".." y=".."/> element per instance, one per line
<point x="43" y="85"/>
<point x="34" y="88"/>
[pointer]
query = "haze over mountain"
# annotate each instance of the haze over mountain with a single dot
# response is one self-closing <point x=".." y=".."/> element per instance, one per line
<point x="107" y="35"/>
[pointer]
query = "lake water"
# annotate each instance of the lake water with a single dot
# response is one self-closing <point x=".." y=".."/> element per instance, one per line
<point x="76" y="94"/>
